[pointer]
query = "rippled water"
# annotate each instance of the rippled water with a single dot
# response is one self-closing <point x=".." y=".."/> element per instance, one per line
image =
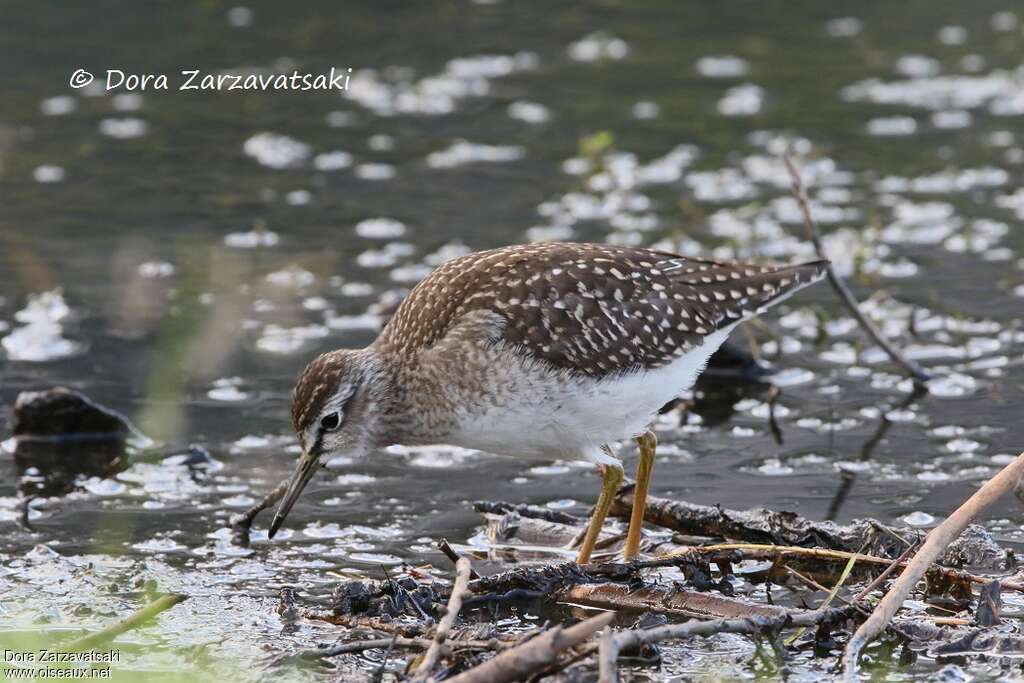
<point x="180" y="256"/>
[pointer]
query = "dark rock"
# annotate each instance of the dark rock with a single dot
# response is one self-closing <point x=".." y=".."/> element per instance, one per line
<point x="61" y="435"/>
<point x="62" y="412"/>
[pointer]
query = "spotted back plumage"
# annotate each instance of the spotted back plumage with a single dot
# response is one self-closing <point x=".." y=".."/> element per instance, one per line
<point x="592" y="309"/>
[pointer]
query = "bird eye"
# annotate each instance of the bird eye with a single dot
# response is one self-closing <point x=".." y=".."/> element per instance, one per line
<point x="330" y="422"/>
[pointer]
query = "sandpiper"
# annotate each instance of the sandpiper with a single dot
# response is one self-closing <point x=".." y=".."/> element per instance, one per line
<point x="553" y="350"/>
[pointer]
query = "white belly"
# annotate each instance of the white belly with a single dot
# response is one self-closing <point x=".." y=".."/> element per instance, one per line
<point x="537" y="418"/>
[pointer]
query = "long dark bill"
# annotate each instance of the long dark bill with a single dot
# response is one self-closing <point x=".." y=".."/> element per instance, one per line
<point x="308" y="465"/>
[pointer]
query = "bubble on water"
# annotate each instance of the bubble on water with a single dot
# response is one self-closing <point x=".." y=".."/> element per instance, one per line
<point x="340" y="119"/>
<point x="292" y="277"/>
<point x="251" y="239"/>
<point x="918" y="65"/>
<point x="298" y="197"/>
<point x="530" y="112"/>
<point x="394" y="91"/>
<point x="742" y="432"/>
<point x="918" y="518"/>
<point x="410" y="274"/>
<point x="375" y="171"/>
<point x="645" y="110"/>
<point x="962" y="445"/>
<point x="952" y="385"/>
<point x="239" y="501"/>
<point x="952" y="35"/>
<point x="462" y="152"/>
<point x="123" y="129"/>
<point x="48" y="173"/>
<point x="381" y="142"/>
<point x="549" y="470"/>
<point x="952" y="118"/>
<point x="356" y="289"/>
<point x="227" y="389"/>
<point x="722" y="66"/>
<point x="41" y="337"/>
<point x="773" y="467"/>
<point x="549" y="233"/>
<point x="284" y="340"/>
<point x="103" y="487"/>
<point x="892" y="126"/>
<point x="332" y="161"/>
<point x="362" y="321"/>
<point x="380" y="228"/>
<point x="155" y="269"/>
<point x="240" y="16"/>
<point x="127" y="101"/>
<point x="742" y="100"/>
<point x="159" y="545"/>
<point x="276" y="151"/>
<point x="792" y="376"/>
<point x="58" y="105"/>
<point x="723" y="185"/>
<point x="844" y="27"/>
<point x="355" y="479"/>
<point x="1004" y="21"/>
<point x="375" y="559"/>
<point x="387" y="256"/>
<point x="446" y="252"/>
<point x="598" y="46"/>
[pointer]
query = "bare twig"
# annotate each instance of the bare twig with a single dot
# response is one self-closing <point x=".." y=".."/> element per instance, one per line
<point x="898" y="562"/>
<point x="910" y="367"/>
<point x="611" y="645"/>
<point x="762" y="551"/>
<point x="137" y="619"/>
<point x="536" y="654"/>
<point x="934" y="544"/>
<point x="241" y="524"/>
<point x="446" y="548"/>
<point x="444" y="626"/>
<point x="682" y="603"/>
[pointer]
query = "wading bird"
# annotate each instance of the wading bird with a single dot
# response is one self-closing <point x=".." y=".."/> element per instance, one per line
<point x="552" y="350"/>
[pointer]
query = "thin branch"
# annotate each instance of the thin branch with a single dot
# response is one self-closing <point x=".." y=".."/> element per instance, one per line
<point x="444" y="626"/>
<point x="910" y="367"/>
<point x="934" y="544"/>
<point x="611" y="645"/>
<point x="535" y="654"/>
<point x="137" y="619"/>
<point x="446" y="548"/>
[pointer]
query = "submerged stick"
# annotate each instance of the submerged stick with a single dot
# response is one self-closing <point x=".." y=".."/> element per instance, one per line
<point x="444" y="626"/>
<point x="535" y="654"/>
<point x="933" y="546"/>
<point x="693" y="604"/>
<point x="612" y="644"/>
<point x="762" y="551"/>
<point x="846" y="296"/>
<point x="241" y="524"/>
<point x="137" y="619"/>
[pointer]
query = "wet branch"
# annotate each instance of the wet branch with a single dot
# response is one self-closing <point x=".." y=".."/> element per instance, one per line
<point x="612" y="644"/>
<point x="444" y="626"/>
<point x="241" y="524"/>
<point x="534" y="655"/>
<point x="914" y="370"/>
<point x="935" y="543"/>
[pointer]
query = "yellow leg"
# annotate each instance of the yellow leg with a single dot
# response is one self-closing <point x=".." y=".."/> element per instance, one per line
<point x="648" y="444"/>
<point x="609" y="487"/>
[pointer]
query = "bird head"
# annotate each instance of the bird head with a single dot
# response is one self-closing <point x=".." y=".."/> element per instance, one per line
<point x="335" y="412"/>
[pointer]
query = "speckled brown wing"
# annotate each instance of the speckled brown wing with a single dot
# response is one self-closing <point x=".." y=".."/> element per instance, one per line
<point x="593" y="309"/>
